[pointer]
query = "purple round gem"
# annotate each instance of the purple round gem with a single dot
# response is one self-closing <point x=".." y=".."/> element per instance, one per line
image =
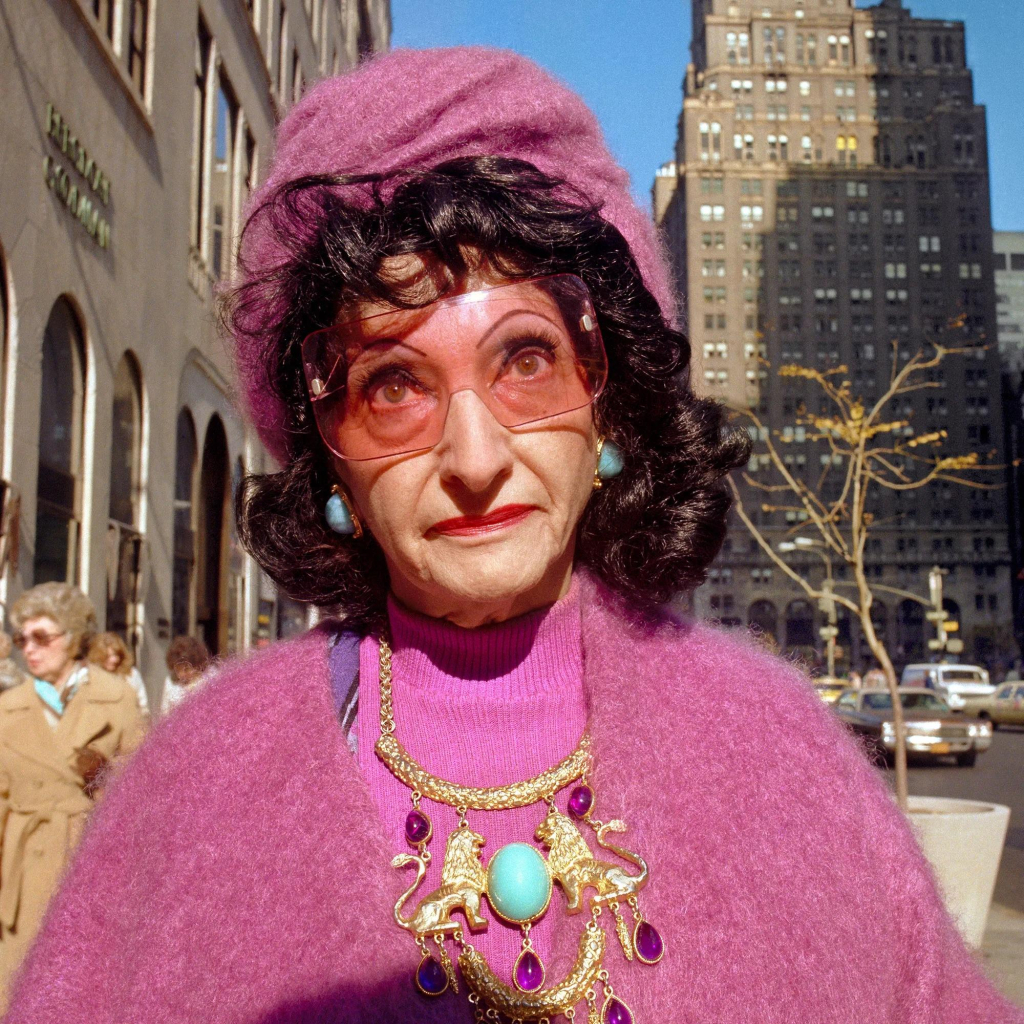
<point x="649" y="946"/>
<point x="417" y="827"/>
<point x="431" y="979"/>
<point x="616" y="1012"/>
<point x="581" y="799"/>
<point x="529" y="971"/>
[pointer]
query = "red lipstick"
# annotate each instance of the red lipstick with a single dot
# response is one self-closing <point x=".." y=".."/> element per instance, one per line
<point x="498" y="519"/>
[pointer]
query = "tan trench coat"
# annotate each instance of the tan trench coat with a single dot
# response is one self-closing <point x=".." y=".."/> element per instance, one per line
<point x="43" y="805"/>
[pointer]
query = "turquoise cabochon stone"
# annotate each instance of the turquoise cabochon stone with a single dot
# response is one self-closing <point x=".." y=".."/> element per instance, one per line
<point x="518" y="883"/>
<point x="610" y="464"/>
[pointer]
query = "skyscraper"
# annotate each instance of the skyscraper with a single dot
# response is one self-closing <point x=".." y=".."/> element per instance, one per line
<point x="829" y="205"/>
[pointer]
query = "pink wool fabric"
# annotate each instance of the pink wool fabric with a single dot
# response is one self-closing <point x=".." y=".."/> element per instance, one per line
<point x="415" y="109"/>
<point x="238" y="871"/>
<point x="459" y="695"/>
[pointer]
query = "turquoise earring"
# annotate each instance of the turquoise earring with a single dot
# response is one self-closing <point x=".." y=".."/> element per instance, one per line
<point x="609" y="462"/>
<point x="340" y="516"/>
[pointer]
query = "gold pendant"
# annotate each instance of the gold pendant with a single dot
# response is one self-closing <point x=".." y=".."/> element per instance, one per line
<point x="548" y="1002"/>
<point x="576" y="869"/>
<point x="463" y="882"/>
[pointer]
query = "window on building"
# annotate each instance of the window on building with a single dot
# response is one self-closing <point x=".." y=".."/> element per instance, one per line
<point x="61" y="429"/>
<point x="222" y="178"/>
<point x="200" y="96"/>
<point x="103" y="12"/>
<point x="138" y="43"/>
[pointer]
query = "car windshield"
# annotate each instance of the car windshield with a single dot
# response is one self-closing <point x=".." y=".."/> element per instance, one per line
<point x="961" y="675"/>
<point x="910" y="702"/>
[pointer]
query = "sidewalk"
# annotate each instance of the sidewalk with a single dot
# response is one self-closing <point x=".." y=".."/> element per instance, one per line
<point x="1002" y="951"/>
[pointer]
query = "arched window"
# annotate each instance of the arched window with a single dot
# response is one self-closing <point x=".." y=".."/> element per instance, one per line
<point x="123" y="532"/>
<point x="185" y="459"/>
<point x="762" y="618"/>
<point x="211" y="540"/>
<point x="61" y="413"/>
<point x="799" y="624"/>
<point x="126" y="443"/>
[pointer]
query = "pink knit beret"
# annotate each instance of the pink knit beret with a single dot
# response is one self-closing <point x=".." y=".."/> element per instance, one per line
<point x="415" y="109"/>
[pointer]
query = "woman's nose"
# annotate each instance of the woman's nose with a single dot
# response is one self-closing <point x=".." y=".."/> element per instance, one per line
<point x="474" y="449"/>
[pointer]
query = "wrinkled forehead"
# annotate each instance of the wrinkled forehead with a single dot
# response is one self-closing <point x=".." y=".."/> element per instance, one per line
<point x="474" y="305"/>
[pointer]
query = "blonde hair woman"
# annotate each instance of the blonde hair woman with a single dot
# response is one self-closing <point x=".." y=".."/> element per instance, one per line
<point x="58" y="731"/>
<point x="109" y="651"/>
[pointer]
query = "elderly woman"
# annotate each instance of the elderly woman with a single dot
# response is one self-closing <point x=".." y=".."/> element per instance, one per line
<point x="505" y="786"/>
<point x="110" y="652"/>
<point x="58" y="731"/>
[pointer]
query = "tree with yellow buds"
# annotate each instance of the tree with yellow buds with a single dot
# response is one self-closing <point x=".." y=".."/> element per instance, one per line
<point x="868" y="450"/>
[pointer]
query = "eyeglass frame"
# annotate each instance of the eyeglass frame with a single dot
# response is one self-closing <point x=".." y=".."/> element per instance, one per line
<point x="22" y="640"/>
<point x="454" y="300"/>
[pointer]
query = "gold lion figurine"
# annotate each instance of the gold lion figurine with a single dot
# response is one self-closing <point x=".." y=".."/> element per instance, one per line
<point x="463" y="881"/>
<point x="574" y="868"/>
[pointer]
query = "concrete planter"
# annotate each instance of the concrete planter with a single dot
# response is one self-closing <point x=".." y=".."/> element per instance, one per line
<point x="963" y="841"/>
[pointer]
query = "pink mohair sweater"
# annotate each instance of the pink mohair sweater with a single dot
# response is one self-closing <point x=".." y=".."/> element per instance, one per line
<point x="238" y="871"/>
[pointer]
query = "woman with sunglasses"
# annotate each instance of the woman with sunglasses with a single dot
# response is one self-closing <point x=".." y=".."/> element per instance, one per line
<point x="505" y="784"/>
<point x="59" y="730"/>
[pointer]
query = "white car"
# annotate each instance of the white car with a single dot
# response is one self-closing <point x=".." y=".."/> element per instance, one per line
<point x="960" y="684"/>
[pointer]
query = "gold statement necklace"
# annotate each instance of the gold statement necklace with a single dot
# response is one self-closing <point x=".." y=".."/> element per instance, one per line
<point x="517" y="882"/>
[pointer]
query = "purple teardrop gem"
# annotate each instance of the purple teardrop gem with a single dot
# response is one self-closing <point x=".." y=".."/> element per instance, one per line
<point x="617" y="1013"/>
<point x="581" y="799"/>
<point x="430" y="977"/>
<point x="649" y="946"/>
<point x="417" y="827"/>
<point x="529" y="972"/>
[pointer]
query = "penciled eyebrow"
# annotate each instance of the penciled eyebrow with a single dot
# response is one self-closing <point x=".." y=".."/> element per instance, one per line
<point x="377" y="343"/>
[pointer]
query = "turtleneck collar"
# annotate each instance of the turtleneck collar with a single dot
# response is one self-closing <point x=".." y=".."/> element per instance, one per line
<point x="520" y="657"/>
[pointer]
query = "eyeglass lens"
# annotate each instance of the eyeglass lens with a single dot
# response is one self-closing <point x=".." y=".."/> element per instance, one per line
<point x="530" y="350"/>
<point x="37" y="637"/>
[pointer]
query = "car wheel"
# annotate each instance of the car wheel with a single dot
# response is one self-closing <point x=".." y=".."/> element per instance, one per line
<point x="967" y="759"/>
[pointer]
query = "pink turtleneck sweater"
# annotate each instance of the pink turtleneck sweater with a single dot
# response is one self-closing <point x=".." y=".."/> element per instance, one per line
<point x="482" y="707"/>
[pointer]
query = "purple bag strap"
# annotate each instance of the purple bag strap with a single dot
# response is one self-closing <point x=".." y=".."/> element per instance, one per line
<point x="343" y="665"/>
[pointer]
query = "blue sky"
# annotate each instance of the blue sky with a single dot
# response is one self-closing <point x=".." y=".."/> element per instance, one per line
<point x="627" y="59"/>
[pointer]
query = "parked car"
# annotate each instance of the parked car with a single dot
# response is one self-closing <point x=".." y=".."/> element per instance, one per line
<point x="1004" y="707"/>
<point x="958" y="683"/>
<point x="829" y="688"/>
<point x="933" y="730"/>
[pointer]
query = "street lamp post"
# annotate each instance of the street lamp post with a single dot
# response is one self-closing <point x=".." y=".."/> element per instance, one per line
<point x="943" y="642"/>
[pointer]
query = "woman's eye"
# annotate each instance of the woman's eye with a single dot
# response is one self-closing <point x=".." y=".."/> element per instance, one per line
<point x="394" y="393"/>
<point x="527" y="365"/>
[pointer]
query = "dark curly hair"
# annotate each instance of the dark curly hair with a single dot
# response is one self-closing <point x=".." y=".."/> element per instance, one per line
<point x="649" y="533"/>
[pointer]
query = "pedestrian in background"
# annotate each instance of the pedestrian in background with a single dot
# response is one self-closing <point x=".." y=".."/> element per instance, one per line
<point x="10" y="674"/>
<point x="59" y="731"/>
<point x="109" y="651"/>
<point x="188" y="661"/>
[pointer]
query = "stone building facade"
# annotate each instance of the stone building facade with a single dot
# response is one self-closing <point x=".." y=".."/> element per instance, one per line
<point x="828" y="204"/>
<point x="133" y="131"/>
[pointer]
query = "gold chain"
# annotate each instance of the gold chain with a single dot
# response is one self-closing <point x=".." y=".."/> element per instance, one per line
<point x="493" y="798"/>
